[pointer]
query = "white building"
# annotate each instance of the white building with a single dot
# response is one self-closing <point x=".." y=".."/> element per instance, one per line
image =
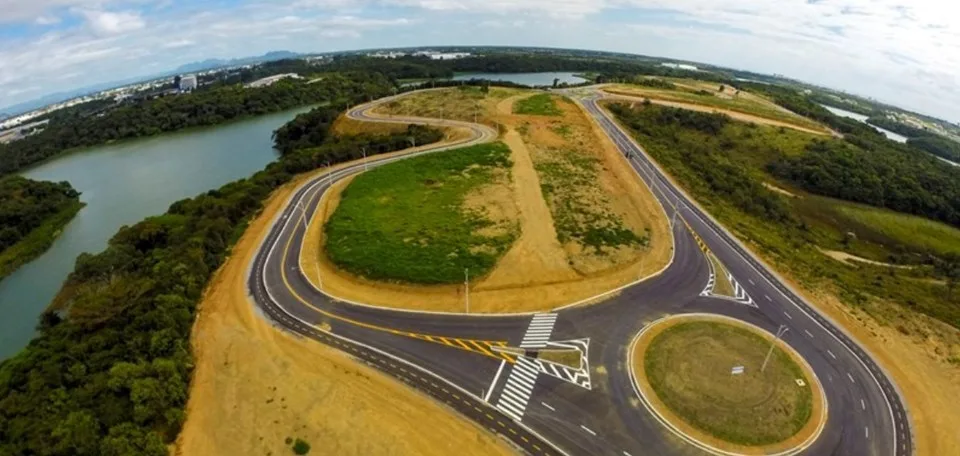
<point x="188" y="83"/>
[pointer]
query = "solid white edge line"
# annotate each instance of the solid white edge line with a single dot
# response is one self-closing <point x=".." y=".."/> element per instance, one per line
<point x="493" y="384"/>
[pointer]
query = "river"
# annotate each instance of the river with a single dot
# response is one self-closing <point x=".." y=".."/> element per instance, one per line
<point x="529" y="79"/>
<point x="122" y="184"/>
<point x="862" y="118"/>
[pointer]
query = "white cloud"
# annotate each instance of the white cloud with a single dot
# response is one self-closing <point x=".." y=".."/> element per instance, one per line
<point x="46" y="20"/>
<point x="112" y="23"/>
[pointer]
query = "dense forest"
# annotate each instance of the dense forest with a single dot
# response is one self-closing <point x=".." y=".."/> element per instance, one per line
<point x="108" y="373"/>
<point x="665" y="129"/>
<point x="202" y="108"/>
<point x="309" y="130"/>
<point x="31" y="212"/>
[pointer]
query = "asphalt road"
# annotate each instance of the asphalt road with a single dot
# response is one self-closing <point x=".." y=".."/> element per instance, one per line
<point x="454" y="357"/>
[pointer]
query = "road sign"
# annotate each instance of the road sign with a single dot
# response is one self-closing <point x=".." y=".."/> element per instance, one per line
<point x="737" y="370"/>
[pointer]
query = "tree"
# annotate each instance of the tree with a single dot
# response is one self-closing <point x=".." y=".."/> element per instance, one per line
<point x="721" y="88"/>
<point x="555" y="82"/>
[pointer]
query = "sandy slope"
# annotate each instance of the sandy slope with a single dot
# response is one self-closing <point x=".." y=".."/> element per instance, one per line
<point x="254" y="386"/>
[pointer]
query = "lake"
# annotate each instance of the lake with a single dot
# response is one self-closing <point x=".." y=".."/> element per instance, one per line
<point x="529" y="79"/>
<point x="122" y="184"/>
<point x="862" y="118"/>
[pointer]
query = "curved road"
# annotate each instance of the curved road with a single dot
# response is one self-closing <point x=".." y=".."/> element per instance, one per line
<point x="544" y="409"/>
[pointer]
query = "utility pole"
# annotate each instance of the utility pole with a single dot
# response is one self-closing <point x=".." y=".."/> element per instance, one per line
<point x="364" y="149"/>
<point x="476" y="109"/>
<point x="780" y="332"/>
<point x="466" y="288"/>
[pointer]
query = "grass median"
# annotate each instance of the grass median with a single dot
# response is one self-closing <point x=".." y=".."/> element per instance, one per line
<point x="689" y="366"/>
<point x="414" y="221"/>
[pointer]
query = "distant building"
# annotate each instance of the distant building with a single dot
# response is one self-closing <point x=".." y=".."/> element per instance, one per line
<point x="188" y="83"/>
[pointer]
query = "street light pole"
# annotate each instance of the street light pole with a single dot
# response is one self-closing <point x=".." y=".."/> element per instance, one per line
<point x="780" y="332"/>
<point x="364" y="149"/>
<point x="466" y="288"/>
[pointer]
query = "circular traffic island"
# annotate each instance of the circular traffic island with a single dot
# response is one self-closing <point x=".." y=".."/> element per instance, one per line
<point x="709" y="380"/>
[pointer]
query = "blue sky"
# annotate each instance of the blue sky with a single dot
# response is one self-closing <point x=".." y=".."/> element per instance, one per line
<point x="900" y="51"/>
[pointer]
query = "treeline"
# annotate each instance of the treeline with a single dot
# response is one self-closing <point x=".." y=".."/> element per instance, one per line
<point x="890" y="177"/>
<point x="203" y="108"/>
<point x="310" y="130"/>
<point x="694" y="141"/>
<point x="108" y="373"/>
<point x="26" y="204"/>
<point x="920" y="138"/>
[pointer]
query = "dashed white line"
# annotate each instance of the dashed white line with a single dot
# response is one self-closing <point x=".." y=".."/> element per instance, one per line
<point x="866" y="432"/>
<point x="831" y="354"/>
<point x="751" y="281"/>
<point x="851" y="378"/>
<point x="788" y="315"/>
<point x="626" y="454"/>
<point x="863" y="405"/>
<point x="548" y="406"/>
<point x="588" y="430"/>
<point x="768" y="298"/>
<point x="809" y="334"/>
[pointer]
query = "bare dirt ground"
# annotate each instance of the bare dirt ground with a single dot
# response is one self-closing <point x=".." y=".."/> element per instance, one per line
<point x="779" y="190"/>
<point x="254" y="385"/>
<point x="536" y="273"/>
<point x="737" y="115"/>
<point x="920" y="353"/>
<point x="852" y="260"/>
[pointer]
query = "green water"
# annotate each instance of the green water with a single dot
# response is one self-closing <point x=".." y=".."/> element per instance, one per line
<point x="123" y="184"/>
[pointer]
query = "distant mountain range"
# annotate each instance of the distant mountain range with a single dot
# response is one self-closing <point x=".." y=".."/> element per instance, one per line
<point x="210" y="64"/>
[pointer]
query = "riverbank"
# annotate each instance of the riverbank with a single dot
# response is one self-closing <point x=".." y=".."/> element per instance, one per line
<point x="38" y="241"/>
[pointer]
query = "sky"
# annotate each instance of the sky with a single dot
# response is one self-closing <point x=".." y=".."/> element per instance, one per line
<point x="905" y="52"/>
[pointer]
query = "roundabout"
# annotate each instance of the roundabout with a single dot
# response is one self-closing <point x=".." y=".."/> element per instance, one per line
<point x="488" y="367"/>
<point x="727" y="386"/>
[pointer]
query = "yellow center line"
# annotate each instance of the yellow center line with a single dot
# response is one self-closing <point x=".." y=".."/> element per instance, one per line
<point x="283" y="274"/>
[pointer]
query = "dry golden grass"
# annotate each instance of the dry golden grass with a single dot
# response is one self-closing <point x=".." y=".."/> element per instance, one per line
<point x="254" y="385"/>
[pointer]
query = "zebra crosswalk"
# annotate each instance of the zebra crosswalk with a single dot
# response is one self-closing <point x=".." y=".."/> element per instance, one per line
<point x="516" y="392"/>
<point x="539" y="330"/>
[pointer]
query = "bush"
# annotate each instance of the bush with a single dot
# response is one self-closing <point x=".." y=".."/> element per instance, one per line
<point x="301" y="447"/>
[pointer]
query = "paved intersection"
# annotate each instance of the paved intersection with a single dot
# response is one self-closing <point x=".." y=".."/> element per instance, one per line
<point x="543" y="408"/>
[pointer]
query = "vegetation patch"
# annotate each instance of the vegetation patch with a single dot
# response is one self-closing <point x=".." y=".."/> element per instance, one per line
<point x="32" y="213"/>
<point x="465" y="103"/>
<point x="724" y="165"/>
<point x="408" y="221"/>
<point x="541" y="104"/>
<point x="689" y="366"/>
<point x="567" y="180"/>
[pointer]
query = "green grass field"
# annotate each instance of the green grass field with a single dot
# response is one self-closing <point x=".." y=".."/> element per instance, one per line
<point x="906" y="229"/>
<point x="541" y="105"/>
<point x="406" y="221"/>
<point x="689" y="367"/>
